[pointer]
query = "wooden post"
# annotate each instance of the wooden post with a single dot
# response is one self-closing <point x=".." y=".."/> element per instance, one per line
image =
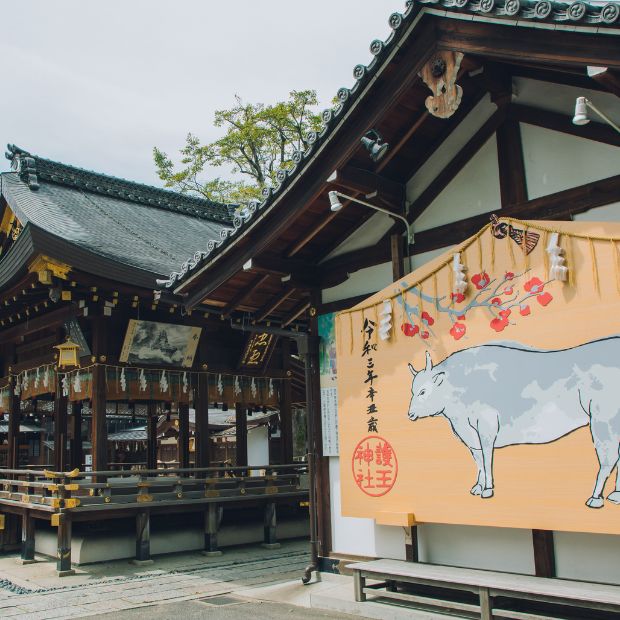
<point x="512" y="181"/>
<point x="396" y="246"/>
<point x="63" y="560"/>
<point x="143" y="538"/>
<point x="202" y="441"/>
<point x="269" y="539"/>
<point x="27" y="554"/>
<point x="212" y="524"/>
<point x="241" y="435"/>
<point x="60" y="429"/>
<point x="183" y="440"/>
<point x="286" y="413"/>
<point x="151" y="435"/>
<point x="544" y="553"/>
<point x="99" y="430"/>
<point x="13" y="434"/>
<point x="412" y="549"/>
<point x="76" y="456"/>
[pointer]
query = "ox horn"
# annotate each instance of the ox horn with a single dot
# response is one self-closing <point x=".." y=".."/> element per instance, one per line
<point x="412" y="370"/>
<point x="429" y="361"/>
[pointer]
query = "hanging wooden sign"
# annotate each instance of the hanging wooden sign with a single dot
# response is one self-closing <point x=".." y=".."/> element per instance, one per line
<point x="257" y="351"/>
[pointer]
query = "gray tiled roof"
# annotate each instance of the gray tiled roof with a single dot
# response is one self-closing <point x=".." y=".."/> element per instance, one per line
<point x="121" y="225"/>
<point x="591" y="17"/>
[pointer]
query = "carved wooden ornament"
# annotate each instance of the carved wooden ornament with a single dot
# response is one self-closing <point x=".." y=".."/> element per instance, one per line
<point x="440" y="74"/>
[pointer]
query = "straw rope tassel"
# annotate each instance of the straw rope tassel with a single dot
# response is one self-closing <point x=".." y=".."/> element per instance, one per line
<point x="594" y="266"/>
<point x="526" y="260"/>
<point x="614" y="246"/>
<point x="511" y="251"/>
<point x="403" y="313"/>
<point x="492" y="237"/>
<point x="479" y="244"/>
<point x="451" y="285"/>
<point x="435" y="295"/>
<point x="570" y="261"/>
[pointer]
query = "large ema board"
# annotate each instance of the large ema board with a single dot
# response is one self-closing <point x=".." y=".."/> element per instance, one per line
<point x="497" y="404"/>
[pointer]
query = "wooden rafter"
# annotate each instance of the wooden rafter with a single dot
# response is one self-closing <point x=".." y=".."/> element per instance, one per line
<point x="274" y="304"/>
<point x="512" y="182"/>
<point x="244" y="293"/>
<point x="296" y="312"/>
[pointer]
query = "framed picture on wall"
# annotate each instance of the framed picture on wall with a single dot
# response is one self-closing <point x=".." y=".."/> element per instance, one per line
<point x="150" y="342"/>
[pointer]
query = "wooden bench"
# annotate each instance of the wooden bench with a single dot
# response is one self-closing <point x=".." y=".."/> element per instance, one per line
<point x="486" y="584"/>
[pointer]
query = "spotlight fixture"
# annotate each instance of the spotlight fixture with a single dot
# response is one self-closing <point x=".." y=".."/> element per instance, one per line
<point x="374" y="144"/>
<point x="581" y="113"/>
<point x="334" y="203"/>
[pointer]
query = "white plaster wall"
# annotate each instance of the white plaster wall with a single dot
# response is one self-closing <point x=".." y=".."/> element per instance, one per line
<point x="258" y="447"/>
<point x="555" y="161"/>
<point x="474" y="190"/>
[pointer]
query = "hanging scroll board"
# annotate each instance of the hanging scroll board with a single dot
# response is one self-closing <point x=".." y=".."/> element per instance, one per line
<point x="440" y="74"/>
<point x="257" y="351"/>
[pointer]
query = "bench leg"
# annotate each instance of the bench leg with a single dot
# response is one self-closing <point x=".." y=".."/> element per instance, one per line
<point x="63" y="558"/>
<point x="143" y="538"/>
<point x="269" y="540"/>
<point x="358" y="584"/>
<point x="486" y="612"/>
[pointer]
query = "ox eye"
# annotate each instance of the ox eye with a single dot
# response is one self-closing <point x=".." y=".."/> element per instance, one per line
<point x="421" y="392"/>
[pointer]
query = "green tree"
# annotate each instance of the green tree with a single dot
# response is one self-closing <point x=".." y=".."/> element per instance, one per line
<point x="258" y="140"/>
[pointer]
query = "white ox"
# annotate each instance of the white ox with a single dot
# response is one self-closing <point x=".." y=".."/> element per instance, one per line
<point x="495" y="396"/>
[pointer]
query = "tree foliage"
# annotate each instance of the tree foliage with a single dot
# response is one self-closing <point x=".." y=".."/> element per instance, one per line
<point x="258" y="140"/>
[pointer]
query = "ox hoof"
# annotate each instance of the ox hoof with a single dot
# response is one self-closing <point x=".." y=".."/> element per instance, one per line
<point x="487" y="493"/>
<point x="476" y="489"/>
<point x="595" y="502"/>
<point x="614" y="497"/>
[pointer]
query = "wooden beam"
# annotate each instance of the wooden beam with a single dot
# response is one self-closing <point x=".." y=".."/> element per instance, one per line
<point x="202" y="440"/>
<point x="60" y="430"/>
<point x="512" y="183"/>
<point x="598" y="132"/>
<point x="241" y="435"/>
<point x="608" y="79"/>
<point x="286" y="412"/>
<point x="550" y="47"/>
<point x="151" y="435"/>
<point x="45" y="321"/>
<point x="277" y="266"/>
<point x="243" y="294"/>
<point x="456" y="164"/>
<point x="183" y="437"/>
<point x="390" y="193"/>
<point x="296" y="313"/>
<point x="271" y="306"/>
<point x="559" y="206"/>
<point x="396" y="247"/>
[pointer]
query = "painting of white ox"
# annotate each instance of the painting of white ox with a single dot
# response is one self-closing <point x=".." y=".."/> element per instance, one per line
<point x="496" y="395"/>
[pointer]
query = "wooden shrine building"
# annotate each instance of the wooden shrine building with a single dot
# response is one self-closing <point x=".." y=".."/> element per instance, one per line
<point x="464" y="112"/>
<point x="88" y="350"/>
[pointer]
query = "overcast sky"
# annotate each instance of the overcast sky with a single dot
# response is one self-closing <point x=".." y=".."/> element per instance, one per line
<point x="97" y="84"/>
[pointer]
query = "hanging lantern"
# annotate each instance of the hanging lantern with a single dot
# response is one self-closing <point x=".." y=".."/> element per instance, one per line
<point x="67" y="354"/>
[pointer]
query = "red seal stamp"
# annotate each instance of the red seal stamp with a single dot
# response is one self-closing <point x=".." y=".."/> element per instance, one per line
<point x="374" y="466"/>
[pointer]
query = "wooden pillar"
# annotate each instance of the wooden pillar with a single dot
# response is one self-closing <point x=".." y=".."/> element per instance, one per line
<point x="27" y="551"/>
<point x="313" y="393"/>
<point x="412" y="549"/>
<point x="512" y="180"/>
<point x="269" y="539"/>
<point x="202" y="441"/>
<point x="544" y="553"/>
<point x="241" y="435"/>
<point x="13" y="430"/>
<point x="143" y="538"/>
<point x="183" y="440"/>
<point x="213" y="517"/>
<point x="63" y="559"/>
<point x="76" y="453"/>
<point x="396" y="246"/>
<point x="60" y="429"/>
<point x="286" y="413"/>
<point x="151" y="435"/>
<point x="99" y="429"/>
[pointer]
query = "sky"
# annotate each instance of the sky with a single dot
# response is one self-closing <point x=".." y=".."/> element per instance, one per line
<point x="98" y="83"/>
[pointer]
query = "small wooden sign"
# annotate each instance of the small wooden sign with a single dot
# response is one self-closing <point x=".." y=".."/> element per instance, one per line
<point x="257" y="350"/>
